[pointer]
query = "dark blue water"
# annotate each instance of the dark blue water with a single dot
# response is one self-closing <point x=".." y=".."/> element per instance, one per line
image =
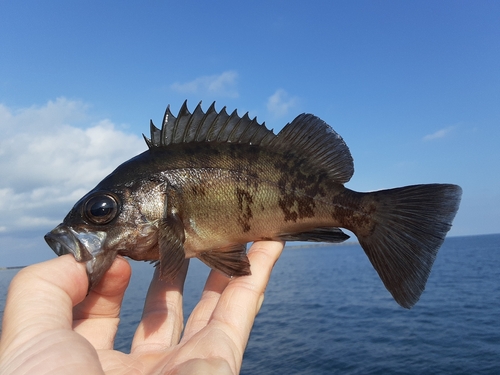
<point x="327" y="312"/>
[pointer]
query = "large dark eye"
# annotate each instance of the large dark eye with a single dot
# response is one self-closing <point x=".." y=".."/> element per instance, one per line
<point x="101" y="209"/>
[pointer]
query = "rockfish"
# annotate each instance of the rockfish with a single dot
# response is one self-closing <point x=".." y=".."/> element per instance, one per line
<point x="211" y="182"/>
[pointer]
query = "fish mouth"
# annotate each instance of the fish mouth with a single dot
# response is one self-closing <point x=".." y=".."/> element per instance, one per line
<point x="84" y="246"/>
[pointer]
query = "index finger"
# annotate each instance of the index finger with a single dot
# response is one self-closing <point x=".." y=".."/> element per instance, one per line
<point x="97" y="317"/>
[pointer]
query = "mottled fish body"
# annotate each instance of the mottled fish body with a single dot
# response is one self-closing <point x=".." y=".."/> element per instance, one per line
<point x="211" y="182"/>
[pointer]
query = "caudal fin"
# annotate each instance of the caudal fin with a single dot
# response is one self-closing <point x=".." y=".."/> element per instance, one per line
<point x="410" y="224"/>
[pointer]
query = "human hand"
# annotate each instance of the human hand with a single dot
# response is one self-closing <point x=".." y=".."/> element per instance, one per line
<point x="51" y="327"/>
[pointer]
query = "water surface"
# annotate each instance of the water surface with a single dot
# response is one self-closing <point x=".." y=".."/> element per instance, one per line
<point x="327" y="312"/>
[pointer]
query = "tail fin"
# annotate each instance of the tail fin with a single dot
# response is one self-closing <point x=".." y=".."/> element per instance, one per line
<point x="410" y="225"/>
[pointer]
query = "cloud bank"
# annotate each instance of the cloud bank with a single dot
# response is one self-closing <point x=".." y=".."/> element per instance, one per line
<point x="280" y="103"/>
<point x="47" y="162"/>
<point x="223" y="84"/>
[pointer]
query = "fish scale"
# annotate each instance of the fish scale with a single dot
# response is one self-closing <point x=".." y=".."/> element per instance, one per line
<point x="210" y="182"/>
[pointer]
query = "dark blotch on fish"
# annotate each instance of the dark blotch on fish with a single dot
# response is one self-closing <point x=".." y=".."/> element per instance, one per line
<point x="211" y="182"/>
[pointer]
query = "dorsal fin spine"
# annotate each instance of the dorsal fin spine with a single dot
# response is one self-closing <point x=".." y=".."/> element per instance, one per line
<point x="209" y="131"/>
<point x="247" y="118"/>
<point x="239" y="120"/>
<point x="205" y="116"/>
<point x="266" y="140"/>
<point x="183" y="113"/>
<point x="213" y="136"/>
<point x="211" y="126"/>
<point x="226" y="122"/>
<point x="185" y="135"/>
<point x="164" y="128"/>
<point x="148" y="141"/>
<point x="254" y="121"/>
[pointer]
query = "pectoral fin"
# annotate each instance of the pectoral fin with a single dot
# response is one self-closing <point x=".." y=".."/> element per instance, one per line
<point x="171" y="245"/>
<point x="231" y="261"/>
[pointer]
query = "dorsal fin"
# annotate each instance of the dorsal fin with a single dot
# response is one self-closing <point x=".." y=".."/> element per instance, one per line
<point x="307" y="136"/>
<point x="211" y="126"/>
<point x="314" y="139"/>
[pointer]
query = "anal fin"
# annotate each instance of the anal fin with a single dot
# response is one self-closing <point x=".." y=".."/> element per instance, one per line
<point x="231" y="261"/>
<point x="329" y="234"/>
<point x="171" y="245"/>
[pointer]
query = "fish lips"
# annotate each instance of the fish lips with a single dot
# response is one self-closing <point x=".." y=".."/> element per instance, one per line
<point x="84" y="246"/>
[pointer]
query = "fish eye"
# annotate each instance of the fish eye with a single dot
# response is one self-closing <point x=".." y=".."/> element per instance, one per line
<point x="101" y="209"/>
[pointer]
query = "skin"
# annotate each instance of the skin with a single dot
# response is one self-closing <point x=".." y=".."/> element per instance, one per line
<point x="50" y="326"/>
<point x="212" y="197"/>
<point x="210" y="183"/>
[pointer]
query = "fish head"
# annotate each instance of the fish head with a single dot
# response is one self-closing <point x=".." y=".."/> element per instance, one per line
<point x="100" y="226"/>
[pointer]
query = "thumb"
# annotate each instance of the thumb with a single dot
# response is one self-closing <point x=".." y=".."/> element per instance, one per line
<point x="37" y="335"/>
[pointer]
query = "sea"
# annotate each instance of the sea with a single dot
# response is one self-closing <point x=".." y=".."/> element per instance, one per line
<point x="327" y="312"/>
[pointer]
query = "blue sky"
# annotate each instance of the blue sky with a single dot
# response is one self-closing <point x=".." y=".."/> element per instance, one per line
<point x="412" y="87"/>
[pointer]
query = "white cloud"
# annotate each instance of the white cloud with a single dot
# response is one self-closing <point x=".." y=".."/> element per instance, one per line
<point x="47" y="163"/>
<point x="223" y="84"/>
<point x="280" y="103"/>
<point x="439" y="134"/>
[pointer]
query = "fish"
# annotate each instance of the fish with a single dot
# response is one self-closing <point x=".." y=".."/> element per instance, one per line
<point x="211" y="182"/>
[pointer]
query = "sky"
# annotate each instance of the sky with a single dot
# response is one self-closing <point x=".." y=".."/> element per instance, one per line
<point x="412" y="87"/>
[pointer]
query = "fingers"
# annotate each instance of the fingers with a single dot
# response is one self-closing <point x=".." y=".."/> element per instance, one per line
<point x="243" y="297"/>
<point x="235" y="302"/>
<point x="215" y="285"/>
<point x="220" y="326"/>
<point x="162" y="320"/>
<point x="97" y="317"/>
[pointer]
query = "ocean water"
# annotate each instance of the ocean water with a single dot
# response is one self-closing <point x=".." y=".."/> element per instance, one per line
<point x="327" y="312"/>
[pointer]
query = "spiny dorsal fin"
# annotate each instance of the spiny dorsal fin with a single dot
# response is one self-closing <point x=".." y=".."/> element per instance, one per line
<point x="317" y="141"/>
<point x="211" y="126"/>
<point x="307" y="135"/>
